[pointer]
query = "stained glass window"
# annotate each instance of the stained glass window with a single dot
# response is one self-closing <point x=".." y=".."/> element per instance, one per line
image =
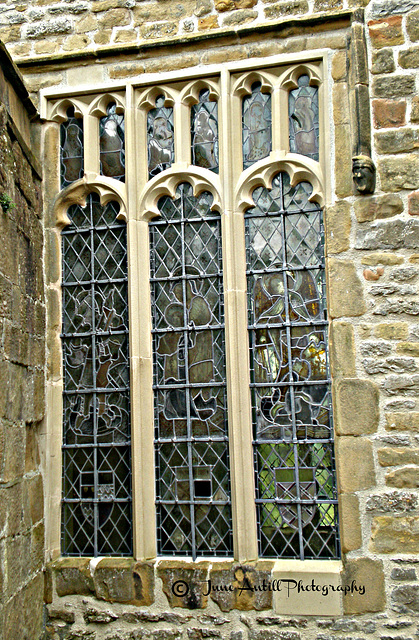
<point x="160" y="137"/>
<point x="256" y="126"/>
<point x="204" y="129"/>
<point x="96" y="515"/>
<point x="193" y="487"/>
<point x="112" y="144"/>
<point x="71" y="149"/>
<point x="304" y="119"/>
<point x="290" y="385"/>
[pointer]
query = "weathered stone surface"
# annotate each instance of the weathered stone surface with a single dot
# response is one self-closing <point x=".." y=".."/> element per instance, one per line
<point x="98" y="616"/>
<point x="395" y="534"/>
<point x="405" y="599"/>
<point x="401" y="385"/>
<point x="72" y="576"/>
<point x="389" y="113"/>
<point x="392" y="330"/>
<point x="209" y="22"/>
<point x="394" y="457"/>
<point x="403" y="574"/>
<point x="343" y="161"/>
<point x="392" y="234"/>
<point x="412" y="25"/>
<point x="273" y="634"/>
<point x="196" y="633"/>
<point x="383" y="61"/>
<point x="338" y="227"/>
<point x="394" y="501"/>
<point x="339" y="66"/>
<point x="396" y="365"/>
<point x="393" y="86"/>
<point x="367" y="572"/>
<point x="398" y="141"/>
<point x="357" y="407"/>
<point x="382" y="8"/>
<point x="342" y="349"/>
<point x="402" y="421"/>
<point x="408" y="348"/>
<point x="413" y="203"/>
<point x="353" y="452"/>
<point x="203" y="7"/>
<point x="240" y="17"/>
<point x="184" y="583"/>
<point x="374" y="259"/>
<point x="346" y="293"/>
<point x="378" y="207"/>
<point x="239" y="577"/>
<point x="60" y="613"/>
<point x="121" y="580"/>
<point x="49" y="28"/>
<point x="351" y="534"/>
<point x="405" y="478"/>
<point x="386" y="32"/>
<point x="288" y="8"/>
<point x="375" y="348"/>
<point x="409" y="59"/>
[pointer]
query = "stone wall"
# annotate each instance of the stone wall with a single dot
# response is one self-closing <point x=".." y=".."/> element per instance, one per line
<point x="22" y="372"/>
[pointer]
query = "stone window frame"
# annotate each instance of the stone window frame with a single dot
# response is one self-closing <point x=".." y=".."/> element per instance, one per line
<point x="139" y="194"/>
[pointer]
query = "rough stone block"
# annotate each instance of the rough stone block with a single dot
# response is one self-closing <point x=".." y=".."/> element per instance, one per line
<point x="343" y="161"/>
<point x="412" y="25"/>
<point x="405" y="599"/>
<point x="368" y="573"/>
<point x="405" y="478"/>
<point x="414" y="113"/>
<point x="399" y="141"/>
<point x="143" y="573"/>
<point x="386" y="32"/>
<point x="351" y="533"/>
<point x="288" y="8"/>
<point x="389" y="113"/>
<point x="383" y="61"/>
<point x="378" y="207"/>
<point x="23" y="613"/>
<point x="394" y="501"/>
<point x="338" y="227"/>
<point x="185" y="584"/>
<point x="120" y="580"/>
<point x="342" y="349"/>
<point x="345" y="290"/>
<point x="72" y="576"/>
<point x="399" y="173"/>
<point x="393" y="86"/>
<point x="357" y="407"/>
<point x="209" y="22"/>
<point x="399" y="573"/>
<point x="389" y="457"/>
<point x="408" y="421"/>
<point x="355" y="464"/>
<point x="240" y="578"/>
<point x="395" y="534"/>
<point x="413" y="203"/>
<point x="339" y="66"/>
<point x="241" y="16"/>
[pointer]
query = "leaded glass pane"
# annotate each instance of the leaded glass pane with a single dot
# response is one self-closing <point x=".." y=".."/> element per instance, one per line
<point x="112" y="144"/>
<point x="71" y="149"/>
<point x="193" y="485"/>
<point x="96" y="453"/>
<point x="304" y="119"/>
<point x="290" y="386"/>
<point x="160" y="137"/>
<point x="256" y="126"/>
<point x="204" y="130"/>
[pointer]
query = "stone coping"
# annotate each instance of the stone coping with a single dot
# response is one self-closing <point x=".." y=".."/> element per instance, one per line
<point x="290" y="26"/>
<point x="13" y="75"/>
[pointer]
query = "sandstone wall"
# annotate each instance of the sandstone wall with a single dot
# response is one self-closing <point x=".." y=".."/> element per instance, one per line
<point x="22" y="356"/>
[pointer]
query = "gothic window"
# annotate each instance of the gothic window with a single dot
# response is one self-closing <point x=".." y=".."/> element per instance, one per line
<point x="96" y="516"/>
<point x="201" y="204"/>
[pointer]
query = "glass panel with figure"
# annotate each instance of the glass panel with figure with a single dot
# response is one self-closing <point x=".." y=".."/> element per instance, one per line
<point x="256" y="126"/>
<point x="290" y="383"/>
<point x="71" y="149"/>
<point x="160" y="138"/>
<point x="193" y="485"/>
<point x="96" y="506"/>
<point x="112" y="144"/>
<point x="204" y="130"/>
<point x="304" y="119"/>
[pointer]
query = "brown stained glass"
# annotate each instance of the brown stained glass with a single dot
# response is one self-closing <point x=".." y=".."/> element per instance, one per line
<point x="112" y="144"/>
<point x="96" y="451"/>
<point x="193" y="487"/>
<point x="256" y="126"/>
<point x="71" y="149"/>
<point x="304" y="119"/>
<point x="290" y="383"/>
<point x="204" y="130"/>
<point x="160" y="137"/>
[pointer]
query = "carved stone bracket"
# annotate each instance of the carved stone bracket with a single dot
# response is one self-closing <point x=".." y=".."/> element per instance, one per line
<point x="363" y="168"/>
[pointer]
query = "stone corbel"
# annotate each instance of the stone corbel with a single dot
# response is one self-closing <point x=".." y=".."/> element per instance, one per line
<point x="363" y="168"/>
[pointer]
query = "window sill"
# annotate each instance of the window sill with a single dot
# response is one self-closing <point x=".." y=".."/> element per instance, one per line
<point x="292" y="587"/>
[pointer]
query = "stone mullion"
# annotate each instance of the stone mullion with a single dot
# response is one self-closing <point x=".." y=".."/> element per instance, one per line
<point x="141" y="373"/>
<point x="237" y="351"/>
<point x="91" y="145"/>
